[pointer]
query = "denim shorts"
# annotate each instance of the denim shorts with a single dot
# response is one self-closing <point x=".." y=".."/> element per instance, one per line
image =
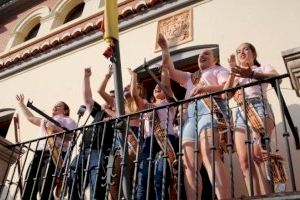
<point x="204" y="119"/>
<point x="262" y="108"/>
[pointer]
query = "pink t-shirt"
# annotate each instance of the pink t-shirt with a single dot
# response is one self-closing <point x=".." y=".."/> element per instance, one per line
<point x="162" y="114"/>
<point x="64" y="121"/>
<point x="216" y="75"/>
<point x="255" y="91"/>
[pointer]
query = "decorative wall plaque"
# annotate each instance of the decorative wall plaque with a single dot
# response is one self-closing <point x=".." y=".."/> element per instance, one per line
<point x="177" y="29"/>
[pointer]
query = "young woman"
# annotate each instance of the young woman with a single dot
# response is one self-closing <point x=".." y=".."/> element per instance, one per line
<point x="60" y="113"/>
<point x="163" y="124"/>
<point x="246" y="70"/>
<point x="213" y="78"/>
<point x="130" y="107"/>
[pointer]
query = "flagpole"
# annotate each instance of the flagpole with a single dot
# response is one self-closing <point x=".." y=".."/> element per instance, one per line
<point x="116" y="63"/>
<point x="119" y="98"/>
<point x="111" y="35"/>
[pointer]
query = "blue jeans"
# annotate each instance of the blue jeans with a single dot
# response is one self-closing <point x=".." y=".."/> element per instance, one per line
<point x="92" y="174"/>
<point x="156" y="174"/>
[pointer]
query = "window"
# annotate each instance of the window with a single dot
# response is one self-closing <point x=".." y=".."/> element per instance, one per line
<point x="76" y="12"/>
<point x="29" y="27"/>
<point x="33" y="32"/>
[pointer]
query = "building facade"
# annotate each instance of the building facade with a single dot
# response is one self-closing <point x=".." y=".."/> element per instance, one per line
<point x="46" y="44"/>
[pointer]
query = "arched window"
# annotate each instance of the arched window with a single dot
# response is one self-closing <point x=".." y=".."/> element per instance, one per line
<point x="33" y="32"/>
<point x="28" y="28"/>
<point x="75" y="13"/>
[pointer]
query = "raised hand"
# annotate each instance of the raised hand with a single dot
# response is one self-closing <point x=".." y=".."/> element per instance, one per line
<point x="232" y="61"/>
<point x="130" y="71"/>
<point x="245" y="72"/>
<point x="87" y="72"/>
<point x="20" y="98"/>
<point x="110" y="70"/>
<point x="162" y="42"/>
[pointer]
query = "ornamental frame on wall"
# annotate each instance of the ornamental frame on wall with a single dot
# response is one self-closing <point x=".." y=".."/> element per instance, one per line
<point x="177" y="29"/>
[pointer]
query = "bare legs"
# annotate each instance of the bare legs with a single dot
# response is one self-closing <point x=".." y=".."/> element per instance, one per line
<point x="189" y="170"/>
<point x="221" y="174"/>
<point x="260" y="183"/>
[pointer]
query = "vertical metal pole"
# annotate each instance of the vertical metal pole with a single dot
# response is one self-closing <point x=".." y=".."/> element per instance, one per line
<point x="124" y="159"/>
<point x="87" y="166"/>
<point x="100" y="160"/>
<point x="229" y="146"/>
<point x="196" y="151"/>
<point x="120" y="111"/>
<point x="213" y="148"/>
<point x="286" y="136"/>
<point x="75" y="180"/>
<point x="180" y="152"/>
<point x="17" y="131"/>
<point x="267" y="142"/>
<point x="111" y="159"/>
<point x="150" y="158"/>
<point x="26" y="177"/>
<point x="136" y="161"/>
<point x="248" y="143"/>
<point x="165" y="157"/>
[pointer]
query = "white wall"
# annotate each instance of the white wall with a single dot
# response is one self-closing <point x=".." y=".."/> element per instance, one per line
<point x="271" y="25"/>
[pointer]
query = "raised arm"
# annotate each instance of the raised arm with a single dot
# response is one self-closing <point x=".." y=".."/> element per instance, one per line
<point x="247" y="72"/>
<point x="134" y="91"/>
<point x="29" y="116"/>
<point x="261" y="76"/>
<point x="165" y="80"/>
<point x="107" y="98"/>
<point x="175" y="74"/>
<point x="87" y="92"/>
<point x="231" y="81"/>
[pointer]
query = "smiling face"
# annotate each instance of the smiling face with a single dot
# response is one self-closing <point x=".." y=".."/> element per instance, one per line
<point x="60" y="108"/>
<point x="246" y="54"/>
<point x="207" y="59"/>
<point x="158" y="93"/>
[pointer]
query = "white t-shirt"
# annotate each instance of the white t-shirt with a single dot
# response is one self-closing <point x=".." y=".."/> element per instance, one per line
<point x="216" y="75"/>
<point x="162" y="114"/>
<point x="65" y="122"/>
<point x="255" y="91"/>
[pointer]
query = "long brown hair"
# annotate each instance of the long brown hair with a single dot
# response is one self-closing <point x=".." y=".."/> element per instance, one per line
<point x="216" y="56"/>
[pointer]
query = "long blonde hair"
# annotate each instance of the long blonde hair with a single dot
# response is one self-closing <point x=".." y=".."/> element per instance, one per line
<point x="130" y="105"/>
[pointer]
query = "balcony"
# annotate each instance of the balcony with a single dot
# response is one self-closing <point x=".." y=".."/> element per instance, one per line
<point x="116" y="173"/>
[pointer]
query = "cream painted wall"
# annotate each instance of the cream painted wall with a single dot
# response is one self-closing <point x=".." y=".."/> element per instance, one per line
<point x="271" y="25"/>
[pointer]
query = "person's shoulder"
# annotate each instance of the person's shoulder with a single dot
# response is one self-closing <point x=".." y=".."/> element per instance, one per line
<point x="65" y="121"/>
<point x="265" y="68"/>
<point x="221" y="68"/>
<point x="71" y="123"/>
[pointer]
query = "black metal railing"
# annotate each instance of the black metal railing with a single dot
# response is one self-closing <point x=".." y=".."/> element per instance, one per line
<point x="70" y="174"/>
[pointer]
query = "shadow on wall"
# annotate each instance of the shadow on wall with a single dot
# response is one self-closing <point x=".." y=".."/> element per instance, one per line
<point x="294" y="110"/>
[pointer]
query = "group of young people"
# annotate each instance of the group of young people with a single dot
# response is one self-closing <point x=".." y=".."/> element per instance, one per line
<point x="157" y="149"/>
